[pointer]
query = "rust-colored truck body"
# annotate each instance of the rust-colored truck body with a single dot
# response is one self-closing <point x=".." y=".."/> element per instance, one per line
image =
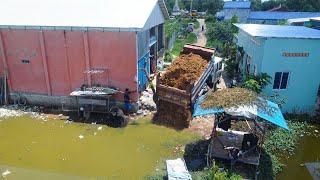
<point x="175" y="106"/>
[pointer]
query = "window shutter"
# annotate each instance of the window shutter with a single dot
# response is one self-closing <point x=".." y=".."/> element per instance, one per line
<point x="277" y="79"/>
<point x="284" y="80"/>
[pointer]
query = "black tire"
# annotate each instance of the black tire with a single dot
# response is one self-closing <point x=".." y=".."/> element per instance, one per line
<point x="22" y="101"/>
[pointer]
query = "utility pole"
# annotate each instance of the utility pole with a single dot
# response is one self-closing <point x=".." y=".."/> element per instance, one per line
<point x="191" y="8"/>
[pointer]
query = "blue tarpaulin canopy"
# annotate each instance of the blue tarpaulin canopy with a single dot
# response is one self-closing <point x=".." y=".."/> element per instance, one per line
<point x="274" y="115"/>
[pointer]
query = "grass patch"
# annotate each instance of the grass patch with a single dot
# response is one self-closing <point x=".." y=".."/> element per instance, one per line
<point x="180" y="42"/>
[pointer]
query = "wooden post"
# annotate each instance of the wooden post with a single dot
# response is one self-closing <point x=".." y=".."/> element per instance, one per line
<point x="87" y="54"/>
<point x="45" y="62"/>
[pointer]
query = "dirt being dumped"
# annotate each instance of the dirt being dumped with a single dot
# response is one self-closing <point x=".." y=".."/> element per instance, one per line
<point x="232" y="97"/>
<point x="186" y="69"/>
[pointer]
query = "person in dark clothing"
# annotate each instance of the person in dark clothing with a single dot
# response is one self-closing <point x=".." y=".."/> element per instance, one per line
<point x="127" y="101"/>
<point x="202" y="28"/>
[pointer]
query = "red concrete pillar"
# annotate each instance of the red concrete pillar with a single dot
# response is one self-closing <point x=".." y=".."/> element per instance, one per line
<point x="45" y="62"/>
<point x="87" y="54"/>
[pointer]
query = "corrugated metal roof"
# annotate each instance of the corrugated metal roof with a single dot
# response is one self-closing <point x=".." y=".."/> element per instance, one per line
<point x="315" y="19"/>
<point x="278" y="31"/>
<point x="237" y="5"/>
<point x="297" y="20"/>
<point x="77" y="13"/>
<point x="265" y="15"/>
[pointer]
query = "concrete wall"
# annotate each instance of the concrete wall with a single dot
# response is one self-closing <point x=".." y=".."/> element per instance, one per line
<point x="253" y="47"/>
<point x="304" y="78"/>
<point x="58" y="58"/>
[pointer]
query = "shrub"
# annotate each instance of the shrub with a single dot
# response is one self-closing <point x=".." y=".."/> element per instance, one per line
<point x="252" y="85"/>
<point x="215" y="174"/>
<point x="257" y="83"/>
<point x="167" y="56"/>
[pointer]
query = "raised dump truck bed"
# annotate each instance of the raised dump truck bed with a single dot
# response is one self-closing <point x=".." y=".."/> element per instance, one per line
<point x="174" y="106"/>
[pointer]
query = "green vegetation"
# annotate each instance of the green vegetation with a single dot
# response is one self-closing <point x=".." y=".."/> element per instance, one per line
<point x="232" y="63"/>
<point x="279" y="144"/>
<point x="220" y="36"/>
<point x="180" y="42"/>
<point x="211" y="6"/>
<point x="287" y="5"/>
<point x="171" y="26"/>
<point x="167" y="57"/>
<point x="257" y="83"/>
<point x="215" y="174"/>
<point x="209" y="174"/>
<point x="179" y="26"/>
<point x="220" y="31"/>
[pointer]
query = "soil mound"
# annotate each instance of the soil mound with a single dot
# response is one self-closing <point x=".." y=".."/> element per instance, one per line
<point x="186" y="69"/>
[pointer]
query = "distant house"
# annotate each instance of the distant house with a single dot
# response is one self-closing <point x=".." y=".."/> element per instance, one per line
<point x="315" y="23"/>
<point x="241" y="9"/>
<point x="48" y="48"/>
<point x="266" y="17"/>
<point x="290" y="55"/>
<point x="300" y="22"/>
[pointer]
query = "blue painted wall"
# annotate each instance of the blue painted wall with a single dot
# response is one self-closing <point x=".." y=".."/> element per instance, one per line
<point x="253" y="47"/>
<point x="304" y="78"/>
<point x="143" y="63"/>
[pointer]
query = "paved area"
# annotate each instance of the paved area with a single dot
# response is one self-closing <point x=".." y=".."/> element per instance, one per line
<point x="202" y="40"/>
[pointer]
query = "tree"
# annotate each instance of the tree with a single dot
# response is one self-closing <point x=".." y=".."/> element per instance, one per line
<point x="221" y="31"/>
<point x="256" y="5"/>
<point x="213" y="6"/>
<point x="267" y="5"/>
<point x="169" y="4"/>
<point x="287" y="5"/>
<point x="302" y="5"/>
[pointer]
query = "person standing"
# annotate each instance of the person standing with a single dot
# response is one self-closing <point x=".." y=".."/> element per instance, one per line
<point x="127" y="101"/>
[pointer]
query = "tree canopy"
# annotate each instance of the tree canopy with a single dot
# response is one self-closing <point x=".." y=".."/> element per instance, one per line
<point x="287" y="5"/>
<point x="211" y="6"/>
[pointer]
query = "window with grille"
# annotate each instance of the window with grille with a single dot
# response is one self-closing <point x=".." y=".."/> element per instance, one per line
<point x="281" y="80"/>
<point x="25" y="61"/>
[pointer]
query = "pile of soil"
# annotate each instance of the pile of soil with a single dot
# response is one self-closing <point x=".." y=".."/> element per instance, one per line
<point x="186" y="69"/>
<point x="227" y="98"/>
<point x="172" y="115"/>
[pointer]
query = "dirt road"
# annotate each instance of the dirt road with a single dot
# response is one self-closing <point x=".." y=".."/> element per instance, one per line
<point x="202" y="40"/>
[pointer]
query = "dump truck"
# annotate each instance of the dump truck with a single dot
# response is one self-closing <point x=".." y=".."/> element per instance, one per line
<point x="174" y="105"/>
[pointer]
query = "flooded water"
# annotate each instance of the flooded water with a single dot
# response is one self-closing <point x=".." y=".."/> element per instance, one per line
<point x="307" y="151"/>
<point x="52" y="149"/>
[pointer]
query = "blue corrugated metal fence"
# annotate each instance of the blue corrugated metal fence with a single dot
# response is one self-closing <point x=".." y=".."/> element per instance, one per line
<point x="143" y="66"/>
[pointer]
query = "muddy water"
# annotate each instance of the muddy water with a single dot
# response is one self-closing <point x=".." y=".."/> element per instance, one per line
<point x="307" y="151"/>
<point x="38" y="149"/>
